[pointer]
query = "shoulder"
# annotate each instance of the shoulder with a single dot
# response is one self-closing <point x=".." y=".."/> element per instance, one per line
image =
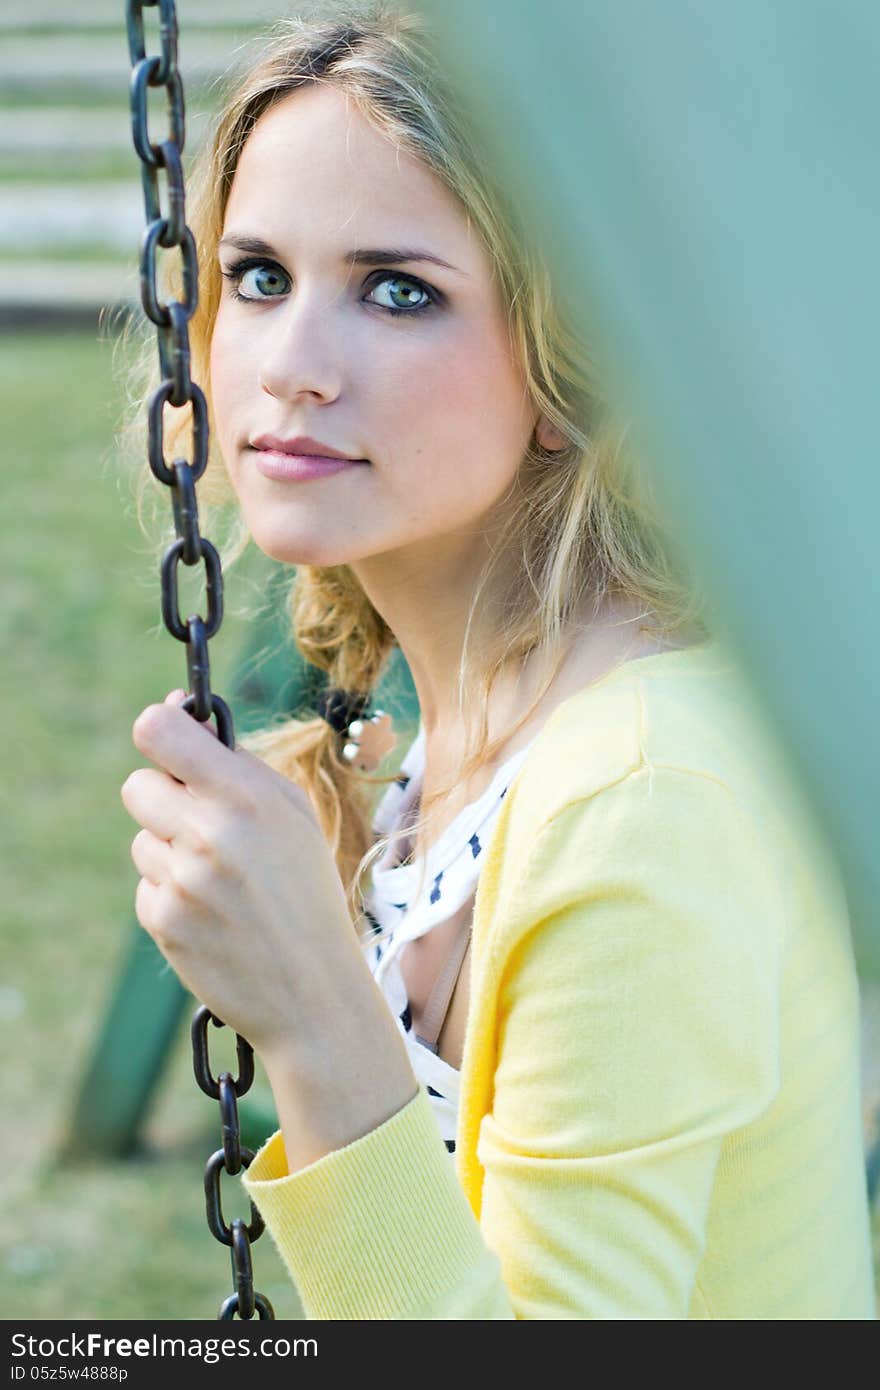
<point x="688" y="711"/>
<point x="663" y="779"/>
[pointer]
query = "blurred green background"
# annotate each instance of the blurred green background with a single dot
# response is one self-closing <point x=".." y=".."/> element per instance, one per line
<point x="85" y="652"/>
<point x="89" y="1238"/>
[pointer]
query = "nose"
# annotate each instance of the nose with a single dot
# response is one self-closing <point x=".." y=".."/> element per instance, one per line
<point x="301" y="351"/>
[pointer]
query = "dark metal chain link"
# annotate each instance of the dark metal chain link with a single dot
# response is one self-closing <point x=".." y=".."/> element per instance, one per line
<point x="178" y="389"/>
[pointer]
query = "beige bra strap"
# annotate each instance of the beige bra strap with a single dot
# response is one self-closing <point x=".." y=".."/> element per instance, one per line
<point x="438" y="1000"/>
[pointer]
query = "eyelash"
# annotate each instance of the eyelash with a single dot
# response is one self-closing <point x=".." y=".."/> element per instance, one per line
<point x="238" y="269"/>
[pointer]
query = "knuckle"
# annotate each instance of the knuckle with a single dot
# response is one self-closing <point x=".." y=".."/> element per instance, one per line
<point x="144" y="854"/>
<point x="130" y="784"/>
<point x="144" y="720"/>
<point x="161" y="926"/>
<point x="139" y="901"/>
<point x="148" y="722"/>
<point x="227" y="840"/>
<point x="247" y="800"/>
<point x="202" y="843"/>
<point x="195" y="869"/>
<point x="212" y="841"/>
<point x="188" y="879"/>
<point x="148" y="910"/>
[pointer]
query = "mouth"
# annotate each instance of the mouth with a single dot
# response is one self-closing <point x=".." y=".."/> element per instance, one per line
<point x="302" y="446"/>
<point x="287" y="467"/>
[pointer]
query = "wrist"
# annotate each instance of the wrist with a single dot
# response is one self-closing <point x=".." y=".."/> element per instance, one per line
<point x="342" y="1085"/>
<point x="317" y="1116"/>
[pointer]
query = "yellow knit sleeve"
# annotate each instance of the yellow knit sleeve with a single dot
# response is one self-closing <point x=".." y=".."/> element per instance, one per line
<point x="379" y="1229"/>
<point x="631" y="1022"/>
<point x="638" y="969"/>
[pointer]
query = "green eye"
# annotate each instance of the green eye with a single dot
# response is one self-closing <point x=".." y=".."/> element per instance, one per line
<point x="270" y="281"/>
<point x="411" y="287"/>
<point x="266" y="277"/>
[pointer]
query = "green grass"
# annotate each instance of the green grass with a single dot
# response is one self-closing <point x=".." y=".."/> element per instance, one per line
<point x="67" y="91"/>
<point x="78" y="91"/>
<point x="85" y="164"/>
<point x="96" y="29"/>
<point x="75" y="252"/>
<point x="84" y="653"/>
<point x="53" y="167"/>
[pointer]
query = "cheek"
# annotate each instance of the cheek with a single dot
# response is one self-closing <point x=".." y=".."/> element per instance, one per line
<point x="459" y="415"/>
<point x="482" y="388"/>
<point x="226" y="364"/>
<point x="233" y="370"/>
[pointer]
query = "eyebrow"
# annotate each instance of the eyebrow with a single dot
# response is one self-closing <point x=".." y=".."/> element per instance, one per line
<point x="365" y="256"/>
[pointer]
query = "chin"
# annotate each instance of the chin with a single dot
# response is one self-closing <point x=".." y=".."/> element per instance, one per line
<point x="291" y="551"/>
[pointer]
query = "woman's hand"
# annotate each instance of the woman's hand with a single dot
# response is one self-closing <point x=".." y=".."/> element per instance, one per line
<point x="239" y="887"/>
<point x="241" y="894"/>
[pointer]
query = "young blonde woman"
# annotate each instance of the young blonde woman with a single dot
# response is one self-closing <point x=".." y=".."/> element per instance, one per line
<point x="566" y="1026"/>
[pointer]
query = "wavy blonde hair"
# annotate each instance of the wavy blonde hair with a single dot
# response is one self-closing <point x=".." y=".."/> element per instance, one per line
<point x="575" y="524"/>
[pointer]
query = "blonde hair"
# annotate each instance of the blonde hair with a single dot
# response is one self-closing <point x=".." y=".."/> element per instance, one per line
<point x="576" y="523"/>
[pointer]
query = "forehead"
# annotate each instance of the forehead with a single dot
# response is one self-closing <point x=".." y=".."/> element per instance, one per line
<point x="313" y="164"/>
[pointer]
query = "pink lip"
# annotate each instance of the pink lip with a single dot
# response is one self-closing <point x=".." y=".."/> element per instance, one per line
<point x="293" y="468"/>
<point x="302" y="444"/>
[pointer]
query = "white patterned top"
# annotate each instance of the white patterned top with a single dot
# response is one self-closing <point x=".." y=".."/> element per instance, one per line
<point x="450" y="878"/>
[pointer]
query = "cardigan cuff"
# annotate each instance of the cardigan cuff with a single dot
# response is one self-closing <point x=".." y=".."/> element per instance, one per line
<point x="380" y="1228"/>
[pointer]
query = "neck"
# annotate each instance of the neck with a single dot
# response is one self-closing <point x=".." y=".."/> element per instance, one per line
<point x="425" y="600"/>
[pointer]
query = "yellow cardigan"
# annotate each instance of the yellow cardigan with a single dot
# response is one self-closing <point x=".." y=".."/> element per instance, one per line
<point x="660" y="1110"/>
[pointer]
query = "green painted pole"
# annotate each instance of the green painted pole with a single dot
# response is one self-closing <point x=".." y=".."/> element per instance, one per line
<point x="704" y="180"/>
<point x="128" y="1056"/>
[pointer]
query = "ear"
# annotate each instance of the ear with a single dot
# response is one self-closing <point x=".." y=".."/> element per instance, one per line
<point x="548" y="436"/>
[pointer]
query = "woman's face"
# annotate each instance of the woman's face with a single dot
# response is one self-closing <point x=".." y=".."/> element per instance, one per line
<point x="430" y="396"/>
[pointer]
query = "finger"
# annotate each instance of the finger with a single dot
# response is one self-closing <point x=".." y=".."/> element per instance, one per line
<point x="157" y="802"/>
<point x="151" y="857"/>
<point x="177" y="697"/>
<point x="187" y="750"/>
<point x="146" y="905"/>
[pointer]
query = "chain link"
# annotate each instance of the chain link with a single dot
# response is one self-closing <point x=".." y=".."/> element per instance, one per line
<point x="180" y="476"/>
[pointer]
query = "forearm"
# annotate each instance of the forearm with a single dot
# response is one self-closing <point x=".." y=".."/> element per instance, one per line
<point x="344" y="1083"/>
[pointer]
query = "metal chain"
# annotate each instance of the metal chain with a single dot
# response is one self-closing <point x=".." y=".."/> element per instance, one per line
<point x="177" y="389"/>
